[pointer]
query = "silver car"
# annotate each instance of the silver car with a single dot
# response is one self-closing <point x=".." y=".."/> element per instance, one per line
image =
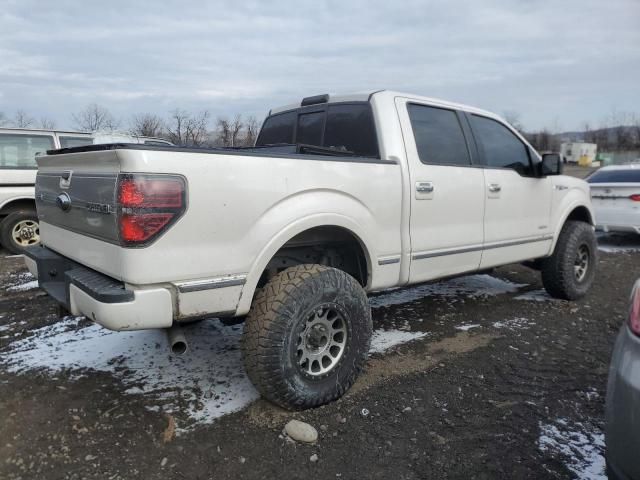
<point x="623" y="398"/>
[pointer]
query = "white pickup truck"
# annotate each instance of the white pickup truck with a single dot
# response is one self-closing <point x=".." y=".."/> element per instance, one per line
<point x="342" y="195"/>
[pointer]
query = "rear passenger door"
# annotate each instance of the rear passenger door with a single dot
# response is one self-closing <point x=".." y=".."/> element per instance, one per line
<point x="447" y="191"/>
<point x="518" y="203"/>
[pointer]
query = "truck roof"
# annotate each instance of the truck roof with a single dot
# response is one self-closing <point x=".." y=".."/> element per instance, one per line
<point x="366" y="96"/>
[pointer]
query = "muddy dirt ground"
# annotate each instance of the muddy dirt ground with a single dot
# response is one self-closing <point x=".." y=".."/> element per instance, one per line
<point x="481" y="377"/>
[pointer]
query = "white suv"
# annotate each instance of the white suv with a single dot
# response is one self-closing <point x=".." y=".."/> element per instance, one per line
<point x="18" y="149"/>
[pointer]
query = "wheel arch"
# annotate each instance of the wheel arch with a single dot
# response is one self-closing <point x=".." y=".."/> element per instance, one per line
<point x="16" y="204"/>
<point x="314" y="230"/>
<point x="576" y="211"/>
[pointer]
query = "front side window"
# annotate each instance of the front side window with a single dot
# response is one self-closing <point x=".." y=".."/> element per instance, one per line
<point x="277" y="129"/>
<point x="19" y="151"/>
<point x="500" y="146"/>
<point x="438" y="134"/>
<point x="70" y="142"/>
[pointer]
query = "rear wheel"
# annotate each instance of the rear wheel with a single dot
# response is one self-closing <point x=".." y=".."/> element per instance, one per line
<point x="307" y="336"/>
<point x="20" y="230"/>
<point x="569" y="273"/>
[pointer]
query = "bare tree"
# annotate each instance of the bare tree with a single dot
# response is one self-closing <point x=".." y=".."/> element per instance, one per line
<point x="47" y="123"/>
<point x="188" y="129"/>
<point x="22" y="120"/>
<point x="251" y="131"/>
<point x="236" y="128"/>
<point x="3" y="120"/>
<point x="513" y="118"/>
<point x="223" y="127"/>
<point x="147" y="125"/>
<point x="94" y="118"/>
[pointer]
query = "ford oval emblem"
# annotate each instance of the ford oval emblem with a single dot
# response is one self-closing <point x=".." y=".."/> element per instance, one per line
<point x="64" y="202"/>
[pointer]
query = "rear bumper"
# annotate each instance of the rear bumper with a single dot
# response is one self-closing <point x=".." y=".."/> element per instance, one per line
<point x="106" y="301"/>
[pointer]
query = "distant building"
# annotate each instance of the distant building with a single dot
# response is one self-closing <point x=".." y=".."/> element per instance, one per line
<point x="579" y="152"/>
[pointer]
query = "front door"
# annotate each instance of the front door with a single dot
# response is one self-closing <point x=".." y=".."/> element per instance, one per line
<point x="518" y="203"/>
<point x="447" y="197"/>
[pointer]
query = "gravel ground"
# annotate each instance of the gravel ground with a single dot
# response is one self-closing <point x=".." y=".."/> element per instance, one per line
<point x="477" y="377"/>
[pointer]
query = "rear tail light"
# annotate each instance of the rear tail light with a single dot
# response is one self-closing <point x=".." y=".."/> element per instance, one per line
<point x="148" y="206"/>
<point x="634" y="311"/>
<point x="635" y="197"/>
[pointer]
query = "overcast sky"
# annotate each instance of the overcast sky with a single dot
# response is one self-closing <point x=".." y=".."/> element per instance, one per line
<point x="556" y="62"/>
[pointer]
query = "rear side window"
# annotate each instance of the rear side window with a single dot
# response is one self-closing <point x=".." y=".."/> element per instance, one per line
<point x="343" y="126"/>
<point x="438" y="135"/>
<point x="500" y="146"/>
<point x="615" y="176"/>
<point x="19" y="151"/>
<point x="351" y="127"/>
<point x="277" y="129"/>
<point x="310" y="127"/>
<point x="70" y="142"/>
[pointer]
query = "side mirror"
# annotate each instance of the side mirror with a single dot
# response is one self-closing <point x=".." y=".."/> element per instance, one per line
<point x="551" y="164"/>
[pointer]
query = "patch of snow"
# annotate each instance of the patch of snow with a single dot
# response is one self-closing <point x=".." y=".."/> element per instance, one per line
<point x="385" y="339"/>
<point x="467" y="327"/>
<point x="514" y="323"/>
<point x="19" y="279"/>
<point x="473" y="286"/>
<point x="209" y="378"/>
<point x="536" y="296"/>
<point x="24" y="286"/>
<point x="580" y="447"/>
<point x="206" y="382"/>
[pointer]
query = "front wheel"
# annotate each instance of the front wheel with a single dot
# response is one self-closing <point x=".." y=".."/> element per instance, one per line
<point x="20" y="230"/>
<point x="307" y="336"/>
<point x="569" y="273"/>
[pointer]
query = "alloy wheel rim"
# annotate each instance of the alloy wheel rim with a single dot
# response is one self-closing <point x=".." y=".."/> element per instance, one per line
<point x="26" y="233"/>
<point x="322" y="342"/>
<point x="581" y="263"/>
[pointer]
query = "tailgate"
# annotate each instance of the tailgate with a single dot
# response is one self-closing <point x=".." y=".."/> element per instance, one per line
<point x="77" y="192"/>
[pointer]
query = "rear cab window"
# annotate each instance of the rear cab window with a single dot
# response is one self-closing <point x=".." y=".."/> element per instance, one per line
<point x="501" y="148"/>
<point x="628" y="175"/>
<point x="342" y="126"/>
<point x="18" y="151"/>
<point x="68" y="141"/>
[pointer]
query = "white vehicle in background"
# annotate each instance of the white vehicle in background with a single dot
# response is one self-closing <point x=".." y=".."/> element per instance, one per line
<point x="18" y="148"/>
<point x="615" y="196"/>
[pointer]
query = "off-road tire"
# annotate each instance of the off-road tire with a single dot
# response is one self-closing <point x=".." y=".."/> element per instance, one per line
<point x="273" y="329"/>
<point x="6" y="228"/>
<point x="558" y="272"/>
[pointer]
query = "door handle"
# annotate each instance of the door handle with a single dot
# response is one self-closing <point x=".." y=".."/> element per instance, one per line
<point x="494" y="187"/>
<point x="424" y="187"/>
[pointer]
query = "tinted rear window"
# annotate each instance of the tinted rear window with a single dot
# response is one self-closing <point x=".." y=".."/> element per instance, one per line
<point x="277" y="129"/>
<point x="310" y="127"/>
<point x="70" y="142"/>
<point x="19" y="151"/>
<point x="347" y="126"/>
<point x="350" y="127"/>
<point x="615" y="176"/>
